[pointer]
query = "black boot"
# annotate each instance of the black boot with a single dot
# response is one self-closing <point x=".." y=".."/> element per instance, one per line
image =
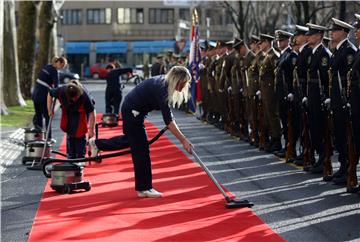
<point x="276" y="146"/>
<point x="318" y="167"/>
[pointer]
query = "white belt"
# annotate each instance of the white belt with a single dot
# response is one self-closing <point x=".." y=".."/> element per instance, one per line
<point x="43" y="83"/>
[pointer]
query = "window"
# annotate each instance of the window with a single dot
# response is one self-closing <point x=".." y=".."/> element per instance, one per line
<point x="130" y="15"/>
<point x="161" y="16"/>
<point x="215" y="18"/>
<point x="99" y="16"/>
<point x="184" y="13"/>
<point x="71" y="17"/>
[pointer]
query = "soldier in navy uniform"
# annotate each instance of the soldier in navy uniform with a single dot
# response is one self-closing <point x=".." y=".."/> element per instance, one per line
<point x="294" y="97"/>
<point x="283" y="81"/>
<point x="355" y="91"/>
<point x="317" y="91"/>
<point x="48" y="78"/>
<point x="340" y="65"/>
<point x="301" y="39"/>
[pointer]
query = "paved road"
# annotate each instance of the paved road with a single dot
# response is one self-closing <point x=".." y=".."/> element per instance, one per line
<point x="297" y="205"/>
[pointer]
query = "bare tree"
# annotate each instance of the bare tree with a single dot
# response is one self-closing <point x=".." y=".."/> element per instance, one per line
<point x="26" y="44"/>
<point x="3" y="108"/>
<point x="45" y="28"/>
<point x="11" y="85"/>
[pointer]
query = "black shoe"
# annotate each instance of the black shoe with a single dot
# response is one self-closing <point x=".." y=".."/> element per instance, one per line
<point x="353" y="189"/>
<point x="281" y="153"/>
<point x="317" y="168"/>
<point x="340" y="181"/>
<point x="299" y="162"/>
<point x="341" y="172"/>
<point x="300" y="157"/>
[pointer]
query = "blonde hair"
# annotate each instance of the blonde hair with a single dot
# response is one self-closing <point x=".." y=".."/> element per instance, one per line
<point x="178" y="75"/>
<point x="61" y="59"/>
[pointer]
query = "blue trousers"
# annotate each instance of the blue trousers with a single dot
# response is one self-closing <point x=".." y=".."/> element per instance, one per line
<point x="134" y="129"/>
<point x="41" y="112"/>
<point x="75" y="147"/>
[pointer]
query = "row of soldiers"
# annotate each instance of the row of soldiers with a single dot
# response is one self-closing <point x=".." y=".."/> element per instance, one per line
<point x="304" y="94"/>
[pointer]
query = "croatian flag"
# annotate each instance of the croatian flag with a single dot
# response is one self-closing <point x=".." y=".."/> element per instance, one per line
<point x="194" y="61"/>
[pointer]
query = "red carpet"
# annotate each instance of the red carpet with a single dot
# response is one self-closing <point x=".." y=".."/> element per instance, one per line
<point x="192" y="208"/>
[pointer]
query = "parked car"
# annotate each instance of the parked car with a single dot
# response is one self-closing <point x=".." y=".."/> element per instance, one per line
<point x="98" y="70"/>
<point x="65" y="75"/>
<point x="139" y="70"/>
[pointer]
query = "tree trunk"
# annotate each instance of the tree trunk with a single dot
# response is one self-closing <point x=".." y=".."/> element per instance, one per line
<point x="45" y="28"/>
<point x="26" y="45"/>
<point x="342" y="13"/>
<point x="305" y="5"/>
<point x="12" y="94"/>
<point x="3" y="108"/>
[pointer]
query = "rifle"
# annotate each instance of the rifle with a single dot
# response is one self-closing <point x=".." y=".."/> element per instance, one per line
<point x="261" y="115"/>
<point x="328" y="169"/>
<point x="308" y="162"/>
<point x="290" y="146"/>
<point x="352" y="156"/>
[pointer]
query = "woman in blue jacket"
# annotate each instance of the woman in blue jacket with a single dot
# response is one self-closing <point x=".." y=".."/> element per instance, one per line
<point x="48" y="78"/>
<point x="156" y="93"/>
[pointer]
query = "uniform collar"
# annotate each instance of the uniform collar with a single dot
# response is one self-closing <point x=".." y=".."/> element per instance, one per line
<point x="284" y="50"/>
<point x="340" y="43"/>
<point x="316" y="47"/>
<point x="302" y="47"/>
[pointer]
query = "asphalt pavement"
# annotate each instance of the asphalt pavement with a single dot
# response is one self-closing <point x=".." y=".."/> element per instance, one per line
<point x="297" y="205"/>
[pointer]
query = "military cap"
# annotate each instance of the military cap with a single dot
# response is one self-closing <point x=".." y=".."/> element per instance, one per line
<point x="282" y="35"/>
<point x="315" y="29"/>
<point x="356" y="24"/>
<point x="159" y="56"/>
<point x="176" y="56"/>
<point x="212" y="44"/>
<point x="230" y="42"/>
<point x="237" y="43"/>
<point x="300" y="30"/>
<point x="254" y="39"/>
<point x="220" y="44"/>
<point x="340" y="25"/>
<point x="266" y="37"/>
<point x="203" y="44"/>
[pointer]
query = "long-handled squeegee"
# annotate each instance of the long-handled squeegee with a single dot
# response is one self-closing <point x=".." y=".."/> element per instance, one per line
<point x="230" y="202"/>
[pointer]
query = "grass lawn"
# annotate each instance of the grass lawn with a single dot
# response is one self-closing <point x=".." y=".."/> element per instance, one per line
<point x="18" y="116"/>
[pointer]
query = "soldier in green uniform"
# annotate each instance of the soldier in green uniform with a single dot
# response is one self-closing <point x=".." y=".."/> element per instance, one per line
<point x="247" y="58"/>
<point x="253" y="76"/>
<point x="220" y="95"/>
<point x="267" y="91"/>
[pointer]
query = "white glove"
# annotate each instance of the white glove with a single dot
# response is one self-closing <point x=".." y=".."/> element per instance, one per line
<point x="229" y="89"/>
<point x="290" y="97"/>
<point x="304" y="100"/>
<point x="221" y="90"/>
<point x="241" y="90"/>
<point x="258" y="93"/>
<point x="201" y="66"/>
<point x="327" y="103"/>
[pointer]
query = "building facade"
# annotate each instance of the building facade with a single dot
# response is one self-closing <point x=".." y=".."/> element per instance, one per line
<point x="133" y="32"/>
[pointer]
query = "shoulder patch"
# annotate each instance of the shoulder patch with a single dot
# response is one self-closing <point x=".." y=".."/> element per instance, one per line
<point x="324" y="61"/>
<point x="350" y="59"/>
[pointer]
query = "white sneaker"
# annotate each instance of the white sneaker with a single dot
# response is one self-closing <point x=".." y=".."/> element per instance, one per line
<point x="93" y="149"/>
<point x="149" y="193"/>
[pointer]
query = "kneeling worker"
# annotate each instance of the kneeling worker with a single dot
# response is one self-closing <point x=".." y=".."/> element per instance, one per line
<point x="77" y="110"/>
<point x="157" y="93"/>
